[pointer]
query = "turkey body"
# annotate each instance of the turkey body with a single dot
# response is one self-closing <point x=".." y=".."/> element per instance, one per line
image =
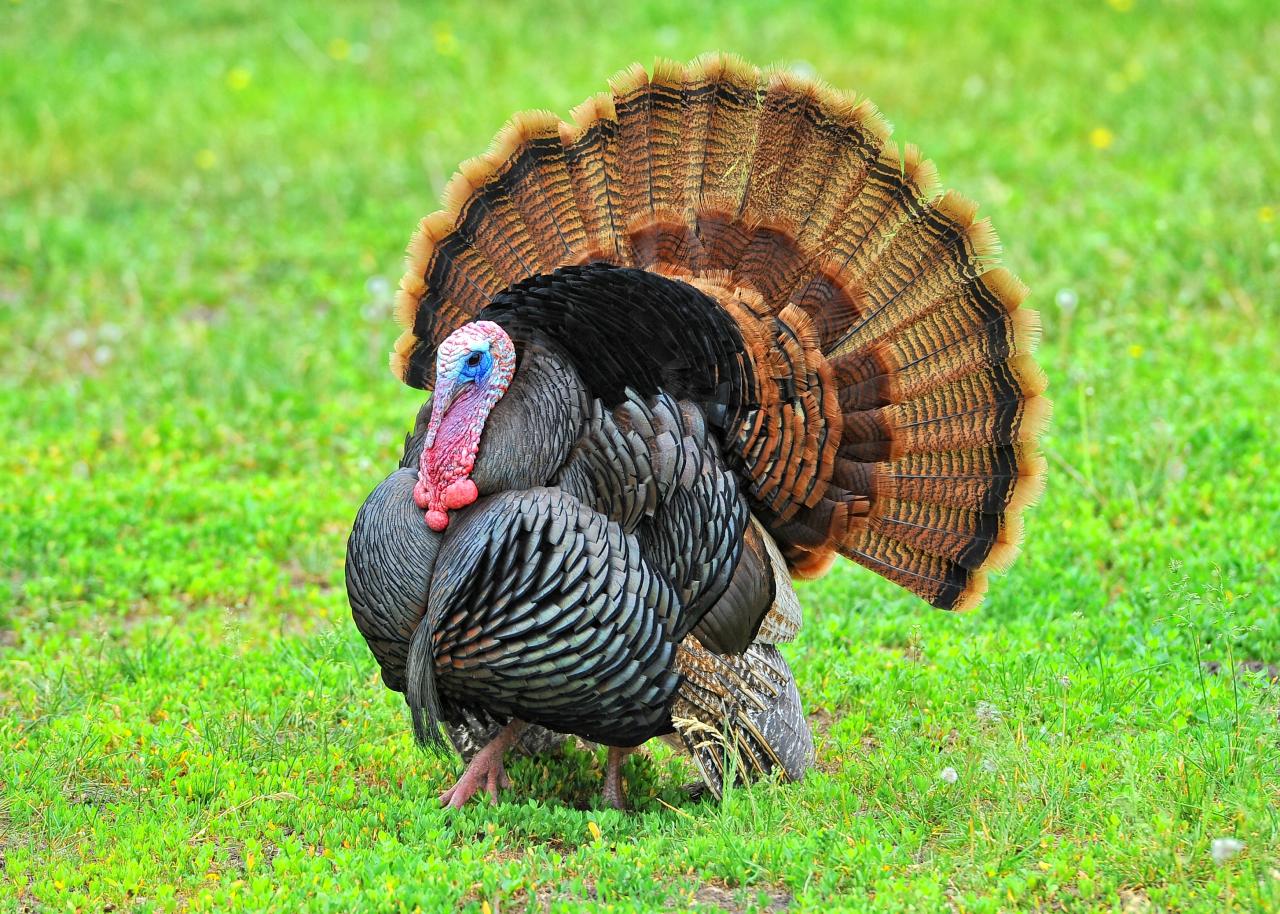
<point x="607" y="534"/>
<point x="713" y="334"/>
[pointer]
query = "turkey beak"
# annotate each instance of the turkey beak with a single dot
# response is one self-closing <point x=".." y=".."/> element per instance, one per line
<point x="451" y="397"/>
<point x="440" y="406"/>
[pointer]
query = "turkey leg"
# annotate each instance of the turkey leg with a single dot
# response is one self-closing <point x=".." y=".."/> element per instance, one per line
<point x="613" y="793"/>
<point x="486" y="769"/>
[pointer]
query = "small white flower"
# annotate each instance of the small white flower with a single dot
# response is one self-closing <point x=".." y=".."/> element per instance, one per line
<point x="990" y="766"/>
<point x="948" y="775"/>
<point x="1223" y="849"/>
<point x="1067" y="300"/>
<point x="987" y="712"/>
<point x="1064" y="681"/>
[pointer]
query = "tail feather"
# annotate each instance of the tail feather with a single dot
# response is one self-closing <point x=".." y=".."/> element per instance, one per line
<point x="545" y="223"/>
<point x="697" y="99"/>
<point x="775" y="185"/>
<point x="890" y="193"/>
<point x="849" y="138"/>
<point x="666" y="128"/>
<point x="663" y="236"/>
<point x="590" y="147"/>
<point x="548" y="189"/>
<point x="880" y="401"/>
<point x="732" y="96"/>
<point x="489" y="220"/>
<point x="631" y="99"/>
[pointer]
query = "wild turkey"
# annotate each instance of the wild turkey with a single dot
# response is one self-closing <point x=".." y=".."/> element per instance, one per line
<point x="715" y="331"/>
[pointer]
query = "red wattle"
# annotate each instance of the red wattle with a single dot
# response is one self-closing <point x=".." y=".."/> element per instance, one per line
<point x="437" y="520"/>
<point x="460" y="493"/>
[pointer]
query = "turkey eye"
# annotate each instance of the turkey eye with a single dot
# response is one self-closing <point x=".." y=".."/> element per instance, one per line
<point x="473" y="360"/>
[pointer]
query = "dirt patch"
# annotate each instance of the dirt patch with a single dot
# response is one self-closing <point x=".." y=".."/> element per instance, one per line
<point x="821" y="720"/>
<point x="1134" y="901"/>
<point x="738" y="901"/>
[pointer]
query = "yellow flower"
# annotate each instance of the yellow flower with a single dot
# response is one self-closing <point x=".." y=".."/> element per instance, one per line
<point x="446" y="41"/>
<point x="594" y="829"/>
<point x="1266" y="214"/>
<point x="1101" y="138"/>
<point x="206" y="159"/>
<point x="238" y="79"/>
<point x="1121" y="6"/>
<point x="339" y="48"/>
<point x="1136" y="351"/>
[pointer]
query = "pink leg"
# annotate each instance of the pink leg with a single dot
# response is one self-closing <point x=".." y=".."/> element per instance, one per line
<point x="613" y="793"/>
<point x="486" y="769"/>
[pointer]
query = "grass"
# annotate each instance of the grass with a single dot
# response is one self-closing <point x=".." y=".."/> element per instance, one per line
<point x="204" y="208"/>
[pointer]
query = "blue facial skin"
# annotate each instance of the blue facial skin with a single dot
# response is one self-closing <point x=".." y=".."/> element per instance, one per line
<point x="476" y="366"/>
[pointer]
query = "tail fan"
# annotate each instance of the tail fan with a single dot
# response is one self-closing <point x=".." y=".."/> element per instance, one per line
<point x="874" y="387"/>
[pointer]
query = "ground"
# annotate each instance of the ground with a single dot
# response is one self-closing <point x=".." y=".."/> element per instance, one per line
<point x="204" y="210"/>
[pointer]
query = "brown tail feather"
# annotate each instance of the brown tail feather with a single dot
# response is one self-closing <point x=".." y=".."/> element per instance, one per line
<point x="590" y="146"/>
<point x="894" y="406"/>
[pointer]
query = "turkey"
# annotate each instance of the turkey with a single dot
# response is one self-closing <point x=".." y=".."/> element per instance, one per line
<point x="704" y="338"/>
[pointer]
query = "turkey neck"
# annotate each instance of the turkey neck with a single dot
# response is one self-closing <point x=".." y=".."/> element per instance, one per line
<point x="531" y="430"/>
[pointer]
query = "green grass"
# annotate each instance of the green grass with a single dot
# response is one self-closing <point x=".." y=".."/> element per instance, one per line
<point x="204" y="206"/>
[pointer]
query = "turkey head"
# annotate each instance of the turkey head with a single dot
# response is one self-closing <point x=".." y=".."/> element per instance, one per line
<point x="474" y="366"/>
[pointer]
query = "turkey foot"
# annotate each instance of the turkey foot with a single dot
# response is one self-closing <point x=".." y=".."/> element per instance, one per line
<point x="486" y="769"/>
<point x="613" y="792"/>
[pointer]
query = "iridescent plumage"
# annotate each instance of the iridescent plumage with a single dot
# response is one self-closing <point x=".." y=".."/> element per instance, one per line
<point x="747" y="336"/>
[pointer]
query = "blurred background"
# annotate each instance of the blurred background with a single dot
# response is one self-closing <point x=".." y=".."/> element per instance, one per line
<point x="203" y="212"/>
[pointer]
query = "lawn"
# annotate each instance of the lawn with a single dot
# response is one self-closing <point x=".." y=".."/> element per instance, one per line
<point x="203" y="209"/>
